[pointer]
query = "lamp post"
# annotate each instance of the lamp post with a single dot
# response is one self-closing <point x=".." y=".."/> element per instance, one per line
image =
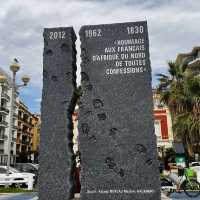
<point x="14" y="67"/>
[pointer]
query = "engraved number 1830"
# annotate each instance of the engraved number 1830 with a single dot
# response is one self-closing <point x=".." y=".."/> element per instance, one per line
<point x="135" y="29"/>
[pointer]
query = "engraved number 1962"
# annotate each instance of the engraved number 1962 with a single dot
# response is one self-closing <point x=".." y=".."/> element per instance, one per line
<point x="56" y="35"/>
<point x="93" y="33"/>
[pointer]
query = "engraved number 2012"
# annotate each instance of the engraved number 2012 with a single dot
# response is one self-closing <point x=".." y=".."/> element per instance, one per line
<point x="57" y="35"/>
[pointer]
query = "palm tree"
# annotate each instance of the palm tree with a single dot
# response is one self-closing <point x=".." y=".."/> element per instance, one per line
<point x="180" y="91"/>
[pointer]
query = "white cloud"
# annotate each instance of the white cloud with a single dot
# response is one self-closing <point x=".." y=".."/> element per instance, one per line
<point x="38" y="100"/>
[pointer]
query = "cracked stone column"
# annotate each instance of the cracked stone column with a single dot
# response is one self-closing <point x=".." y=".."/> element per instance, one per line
<point x="59" y="82"/>
<point x="116" y="127"/>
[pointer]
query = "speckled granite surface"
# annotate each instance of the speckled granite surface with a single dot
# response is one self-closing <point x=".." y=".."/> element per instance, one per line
<point x="59" y="82"/>
<point x="116" y="131"/>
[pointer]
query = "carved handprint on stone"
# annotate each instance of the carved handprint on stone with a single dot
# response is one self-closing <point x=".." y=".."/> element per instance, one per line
<point x="49" y="52"/>
<point x="84" y="57"/>
<point x="101" y="116"/>
<point x="85" y="129"/>
<point x="113" y="132"/>
<point x="45" y="74"/>
<point x="97" y="103"/>
<point x="110" y="162"/>
<point x="140" y="149"/>
<point x="64" y="48"/>
<point x="86" y="81"/>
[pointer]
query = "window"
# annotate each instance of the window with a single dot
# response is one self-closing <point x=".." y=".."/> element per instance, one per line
<point x="157" y="128"/>
<point x="2" y="118"/>
<point x="2" y="131"/>
<point x="198" y="54"/>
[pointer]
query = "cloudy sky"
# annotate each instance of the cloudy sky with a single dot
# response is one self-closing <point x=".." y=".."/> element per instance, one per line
<point x="173" y="28"/>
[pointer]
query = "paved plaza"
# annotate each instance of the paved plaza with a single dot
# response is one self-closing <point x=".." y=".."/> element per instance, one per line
<point x="33" y="196"/>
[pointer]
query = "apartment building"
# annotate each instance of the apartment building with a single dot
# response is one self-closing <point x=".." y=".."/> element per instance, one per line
<point x="35" y="141"/>
<point x="162" y="124"/>
<point x="26" y="135"/>
<point x="191" y="58"/>
<point x="5" y="106"/>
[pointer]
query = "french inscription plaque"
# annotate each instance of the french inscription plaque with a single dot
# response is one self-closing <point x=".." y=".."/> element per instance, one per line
<point x="59" y="83"/>
<point x="116" y="131"/>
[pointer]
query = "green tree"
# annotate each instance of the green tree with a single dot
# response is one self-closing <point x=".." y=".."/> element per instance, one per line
<point x="180" y="91"/>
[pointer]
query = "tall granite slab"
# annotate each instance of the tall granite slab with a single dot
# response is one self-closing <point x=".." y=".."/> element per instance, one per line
<point x="59" y="82"/>
<point x="116" y="131"/>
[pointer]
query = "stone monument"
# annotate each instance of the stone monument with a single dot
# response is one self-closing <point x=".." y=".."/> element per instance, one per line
<point x="116" y="131"/>
<point x="59" y="83"/>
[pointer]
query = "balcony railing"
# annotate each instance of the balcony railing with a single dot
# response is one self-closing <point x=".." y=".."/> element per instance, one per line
<point x="25" y="132"/>
<point x="25" y="142"/>
<point x="5" y="96"/>
<point x="18" y="140"/>
<point x="4" y="158"/>
<point x="15" y="127"/>
<point x="3" y="109"/>
<point x="15" y="115"/>
<point x="19" y="130"/>
<point x="4" y="123"/>
<point x="3" y="137"/>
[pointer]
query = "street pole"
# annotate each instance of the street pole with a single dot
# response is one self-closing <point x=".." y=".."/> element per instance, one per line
<point x="25" y="79"/>
<point x="13" y="90"/>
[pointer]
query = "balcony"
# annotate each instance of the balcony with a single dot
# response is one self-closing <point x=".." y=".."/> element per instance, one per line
<point x="19" y="130"/>
<point x="18" y="141"/>
<point x="26" y="135"/>
<point x="20" y="117"/>
<point x="3" y="123"/>
<point x="15" y="127"/>
<point x="15" y="115"/>
<point x="5" y="96"/>
<point x="24" y="142"/>
<point x="3" y="137"/>
<point x="4" y="110"/>
<point x="26" y="132"/>
<point x="1" y="150"/>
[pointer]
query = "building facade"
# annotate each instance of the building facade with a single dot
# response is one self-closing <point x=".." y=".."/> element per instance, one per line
<point x="5" y="105"/>
<point x="27" y="134"/>
<point x="162" y="124"/>
<point x="192" y="59"/>
<point x="35" y="140"/>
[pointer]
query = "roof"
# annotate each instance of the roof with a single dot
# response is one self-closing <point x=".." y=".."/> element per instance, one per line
<point x="25" y="109"/>
<point x="9" y="79"/>
<point x="191" y="54"/>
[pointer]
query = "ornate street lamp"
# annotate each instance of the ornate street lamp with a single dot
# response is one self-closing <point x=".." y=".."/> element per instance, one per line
<point x="14" y="67"/>
<point x="2" y="79"/>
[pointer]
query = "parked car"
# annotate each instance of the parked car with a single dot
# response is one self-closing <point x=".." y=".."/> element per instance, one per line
<point x="15" y="177"/>
<point x="30" y="168"/>
<point x="194" y="164"/>
<point x="27" y="167"/>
